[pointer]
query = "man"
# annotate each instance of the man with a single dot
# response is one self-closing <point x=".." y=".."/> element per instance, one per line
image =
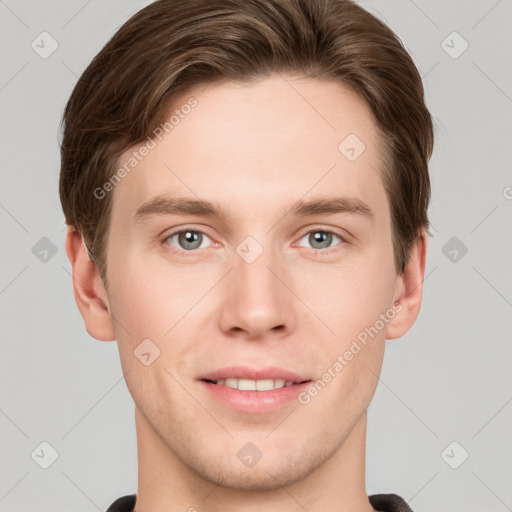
<point x="246" y="188"/>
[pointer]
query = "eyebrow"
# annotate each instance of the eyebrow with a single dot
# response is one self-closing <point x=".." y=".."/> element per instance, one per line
<point x="164" y="205"/>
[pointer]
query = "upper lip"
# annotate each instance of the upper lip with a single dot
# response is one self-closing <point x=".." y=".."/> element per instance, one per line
<point x="245" y="372"/>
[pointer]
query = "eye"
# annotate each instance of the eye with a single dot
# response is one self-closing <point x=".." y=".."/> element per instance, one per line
<point x="187" y="240"/>
<point x="321" y="239"/>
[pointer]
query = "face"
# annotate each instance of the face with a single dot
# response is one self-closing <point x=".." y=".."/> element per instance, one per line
<point x="262" y="284"/>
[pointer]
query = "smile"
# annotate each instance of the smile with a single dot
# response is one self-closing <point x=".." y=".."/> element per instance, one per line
<point x="253" y="385"/>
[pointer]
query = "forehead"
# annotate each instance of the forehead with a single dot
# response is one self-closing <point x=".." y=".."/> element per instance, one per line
<point x="251" y="146"/>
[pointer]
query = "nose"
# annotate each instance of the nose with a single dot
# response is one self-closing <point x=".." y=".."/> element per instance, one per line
<point x="256" y="299"/>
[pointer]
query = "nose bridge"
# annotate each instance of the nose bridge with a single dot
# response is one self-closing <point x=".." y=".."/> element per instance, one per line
<point x="257" y="301"/>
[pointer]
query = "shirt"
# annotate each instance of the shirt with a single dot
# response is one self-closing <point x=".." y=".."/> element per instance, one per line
<point x="381" y="502"/>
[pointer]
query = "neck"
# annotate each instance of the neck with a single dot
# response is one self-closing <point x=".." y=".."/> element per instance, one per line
<point x="166" y="484"/>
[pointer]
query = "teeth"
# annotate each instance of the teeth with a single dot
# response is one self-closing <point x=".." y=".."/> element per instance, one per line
<point x="254" y="385"/>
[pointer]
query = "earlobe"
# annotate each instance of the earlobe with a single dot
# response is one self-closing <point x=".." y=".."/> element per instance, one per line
<point x="409" y="290"/>
<point x="90" y="294"/>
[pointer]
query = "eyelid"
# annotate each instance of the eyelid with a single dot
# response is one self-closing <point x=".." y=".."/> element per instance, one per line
<point x="338" y="232"/>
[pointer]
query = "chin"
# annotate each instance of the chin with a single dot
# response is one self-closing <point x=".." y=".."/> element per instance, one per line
<point x="277" y="471"/>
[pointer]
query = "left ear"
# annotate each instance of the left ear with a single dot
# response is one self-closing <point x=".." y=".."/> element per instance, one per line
<point x="409" y="289"/>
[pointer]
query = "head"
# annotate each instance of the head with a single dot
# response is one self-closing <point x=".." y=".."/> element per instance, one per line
<point x="254" y="110"/>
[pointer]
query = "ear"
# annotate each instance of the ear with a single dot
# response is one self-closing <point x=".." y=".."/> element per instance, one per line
<point x="409" y="290"/>
<point x="90" y="294"/>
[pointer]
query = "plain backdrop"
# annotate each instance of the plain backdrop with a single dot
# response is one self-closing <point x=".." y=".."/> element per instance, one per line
<point x="440" y="421"/>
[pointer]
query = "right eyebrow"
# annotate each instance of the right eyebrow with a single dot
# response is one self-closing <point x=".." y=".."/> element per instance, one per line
<point x="164" y="205"/>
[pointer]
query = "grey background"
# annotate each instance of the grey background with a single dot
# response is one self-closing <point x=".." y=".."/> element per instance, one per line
<point x="448" y="379"/>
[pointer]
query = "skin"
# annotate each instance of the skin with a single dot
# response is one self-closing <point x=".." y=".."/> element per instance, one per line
<point x="254" y="148"/>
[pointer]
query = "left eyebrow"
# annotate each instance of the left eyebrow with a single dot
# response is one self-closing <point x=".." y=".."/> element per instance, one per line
<point x="332" y="205"/>
<point x="164" y="205"/>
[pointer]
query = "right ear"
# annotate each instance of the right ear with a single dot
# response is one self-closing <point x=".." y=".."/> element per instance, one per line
<point x="90" y="294"/>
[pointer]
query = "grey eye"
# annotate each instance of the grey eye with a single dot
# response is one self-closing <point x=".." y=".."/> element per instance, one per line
<point x="320" y="239"/>
<point x="188" y="239"/>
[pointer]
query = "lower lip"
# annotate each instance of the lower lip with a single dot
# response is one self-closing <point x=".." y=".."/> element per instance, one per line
<point x="254" y="401"/>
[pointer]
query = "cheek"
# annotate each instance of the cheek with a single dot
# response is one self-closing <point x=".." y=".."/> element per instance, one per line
<point x="351" y="297"/>
<point x="149" y="298"/>
<point x="156" y="309"/>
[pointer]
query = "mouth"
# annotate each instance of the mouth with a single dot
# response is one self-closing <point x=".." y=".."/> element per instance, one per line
<point x="253" y="390"/>
<point x="254" y="385"/>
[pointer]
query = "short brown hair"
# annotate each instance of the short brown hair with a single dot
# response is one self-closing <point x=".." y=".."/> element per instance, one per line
<point x="170" y="46"/>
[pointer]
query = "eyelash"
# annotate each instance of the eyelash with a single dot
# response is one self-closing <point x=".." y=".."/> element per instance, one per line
<point x="182" y="252"/>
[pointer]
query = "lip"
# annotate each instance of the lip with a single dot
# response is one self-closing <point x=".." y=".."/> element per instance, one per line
<point x="246" y="372"/>
<point x="253" y="402"/>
